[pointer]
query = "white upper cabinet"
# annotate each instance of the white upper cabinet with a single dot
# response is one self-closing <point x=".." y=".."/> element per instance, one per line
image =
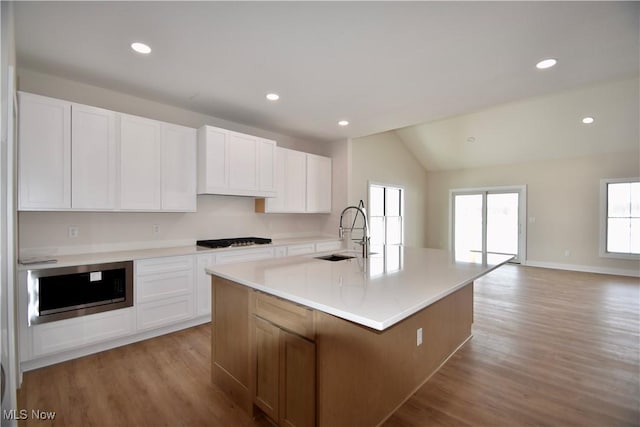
<point x="233" y="163"/>
<point x="318" y="184"/>
<point x="266" y="165"/>
<point x="243" y="163"/>
<point x="140" y="163"/>
<point x="290" y="182"/>
<point x="178" y="168"/>
<point x="44" y="153"/>
<point x="77" y="157"/>
<point x="94" y="167"/>
<point x="303" y="184"/>
<point x="213" y="160"/>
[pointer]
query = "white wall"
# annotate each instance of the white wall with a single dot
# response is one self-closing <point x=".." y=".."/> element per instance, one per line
<point x="562" y="195"/>
<point x="383" y="158"/>
<point x="45" y="233"/>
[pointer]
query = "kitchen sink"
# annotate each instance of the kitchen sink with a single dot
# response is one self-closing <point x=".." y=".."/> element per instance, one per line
<point x="335" y="257"/>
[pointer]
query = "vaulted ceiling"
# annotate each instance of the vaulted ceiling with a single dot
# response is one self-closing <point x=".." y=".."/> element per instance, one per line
<point x="380" y="65"/>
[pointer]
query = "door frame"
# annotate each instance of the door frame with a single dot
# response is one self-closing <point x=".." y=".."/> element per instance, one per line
<point x="522" y="216"/>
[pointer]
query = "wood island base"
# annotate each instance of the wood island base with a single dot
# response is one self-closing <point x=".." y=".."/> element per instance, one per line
<point x="303" y="367"/>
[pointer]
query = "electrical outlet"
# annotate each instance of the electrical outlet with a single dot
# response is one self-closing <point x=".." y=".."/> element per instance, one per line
<point x="73" y="231"/>
<point x="419" y="337"/>
<point x="567" y="252"/>
<point x="156" y="228"/>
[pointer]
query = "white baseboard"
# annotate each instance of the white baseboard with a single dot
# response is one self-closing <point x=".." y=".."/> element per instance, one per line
<point x="584" y="268"/>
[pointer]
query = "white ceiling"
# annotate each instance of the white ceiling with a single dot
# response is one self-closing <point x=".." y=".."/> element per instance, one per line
<point x="380" y="65"/>
<point x="540" y="128"/>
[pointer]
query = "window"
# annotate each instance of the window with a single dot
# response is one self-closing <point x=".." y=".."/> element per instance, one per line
<point x="386" y="210"/>
<point x="620" y="218"/>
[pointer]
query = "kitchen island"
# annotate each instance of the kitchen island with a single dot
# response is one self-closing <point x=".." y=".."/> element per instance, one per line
<point x="309" y="341"/>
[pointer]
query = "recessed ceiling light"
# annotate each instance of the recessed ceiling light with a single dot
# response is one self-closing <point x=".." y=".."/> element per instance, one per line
<point x="588" y="120"/>
<point x="343" y="123"/>
<point x="273" y="96"/>
<point x="546" y="63"/>
<point x="141" y="47"/>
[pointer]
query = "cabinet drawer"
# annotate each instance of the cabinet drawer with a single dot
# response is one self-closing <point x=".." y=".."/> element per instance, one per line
<point x="68" y="334"/>
<point x="287" y="315"/>
<point x="163" y="265"/>
<point x="159" y="286"/>
<point x="328" y="246"/>
<point x="164" y="312"/>
<point x="244" y="255"/>
<point x="303" y="249"/>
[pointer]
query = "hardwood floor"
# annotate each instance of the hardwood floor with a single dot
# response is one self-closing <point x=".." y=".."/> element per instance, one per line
<point x="163" y="381"/>
<point x="549" y="348"/>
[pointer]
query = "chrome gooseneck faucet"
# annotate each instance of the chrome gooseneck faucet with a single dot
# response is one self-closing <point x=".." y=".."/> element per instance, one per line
<point x="365" y="229"/>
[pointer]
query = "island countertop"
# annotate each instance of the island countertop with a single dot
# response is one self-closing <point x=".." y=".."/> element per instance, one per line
<point x="377" y="292"/>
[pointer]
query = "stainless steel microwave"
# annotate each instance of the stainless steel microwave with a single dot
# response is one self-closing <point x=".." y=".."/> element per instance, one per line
<point x="64" y="292"/>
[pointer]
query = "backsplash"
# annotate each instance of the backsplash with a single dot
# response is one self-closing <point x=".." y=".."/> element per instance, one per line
<point x="47" y="233"/>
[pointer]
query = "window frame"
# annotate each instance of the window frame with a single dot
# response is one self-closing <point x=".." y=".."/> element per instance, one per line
<point x="402" y="208"/>
<point x="604" y="217"/>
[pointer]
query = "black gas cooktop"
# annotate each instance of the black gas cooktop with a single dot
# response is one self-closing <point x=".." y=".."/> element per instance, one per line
<point x="236" y="241"/>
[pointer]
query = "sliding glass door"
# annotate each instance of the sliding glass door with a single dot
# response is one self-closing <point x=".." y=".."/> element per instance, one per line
<point x="489" y="221"/>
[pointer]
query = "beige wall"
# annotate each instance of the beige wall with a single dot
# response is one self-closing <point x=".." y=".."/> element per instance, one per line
<point x="383" y="158"/>
<point x="563" y="197"/>
<point x="216" y="216"/>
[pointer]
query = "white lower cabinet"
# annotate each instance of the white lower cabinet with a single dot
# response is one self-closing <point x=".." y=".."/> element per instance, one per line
<point x="244" y="255"/>
<point x="164" y="312"/>
<point x="203" y="284"/>
<point x="170" y="293"/>
<point x="164" y="291"/>
<point x="301" y="249"/>
<point x="332" y="245"/>
<point x="68" y="334"/>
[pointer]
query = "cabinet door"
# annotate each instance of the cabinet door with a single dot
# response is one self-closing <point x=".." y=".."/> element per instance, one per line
<point x="44" y="153"/>
<point x="267" y="353"/>
<point x="266" y="166"/>
<point x="178" y="168"/>
<point x="213" y="162"/>
<point x="203" y="284"/>
<point x="277" y="203"/>
<point x="93" y="159"/>
<point x="291" y="182"/>
<point x="318" y="183"/>
<point x="297" y="381"/>
<point x="243" y="163"/>
<point x="296" y="182"/>
<point x="139" y="163"/>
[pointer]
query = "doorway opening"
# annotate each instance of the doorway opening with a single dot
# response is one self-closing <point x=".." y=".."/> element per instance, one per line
<point x="489" y="221"/>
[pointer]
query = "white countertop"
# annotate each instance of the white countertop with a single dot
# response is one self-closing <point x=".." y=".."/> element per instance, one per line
<point x="376" y="292"/>
<point x="136" y="254"/>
